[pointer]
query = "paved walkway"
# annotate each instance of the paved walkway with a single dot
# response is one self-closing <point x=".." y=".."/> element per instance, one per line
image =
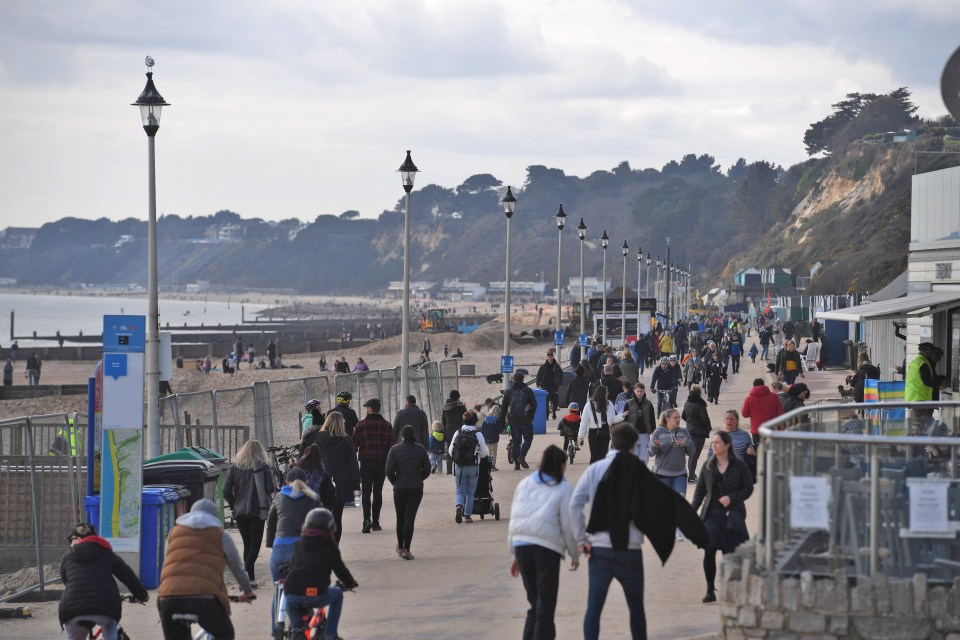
<point x="460" y="581"/>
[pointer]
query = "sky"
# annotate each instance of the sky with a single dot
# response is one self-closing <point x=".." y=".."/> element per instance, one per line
<point x="298" y="108"/>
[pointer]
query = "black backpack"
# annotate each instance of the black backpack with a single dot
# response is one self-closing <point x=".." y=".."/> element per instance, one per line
<point x="465" y="447"/>
<point x="519" y="407"/>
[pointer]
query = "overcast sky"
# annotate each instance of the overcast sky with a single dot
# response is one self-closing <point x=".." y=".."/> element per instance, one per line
<point x="295" y="108"/>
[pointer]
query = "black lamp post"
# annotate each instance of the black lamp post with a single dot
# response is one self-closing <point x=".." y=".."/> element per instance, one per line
<point x="151" y="103"/>
<point x="509" y="202"/>
<point x="582" y="234"/>
<point x="561" y="218"/>
<point x="623" y="297"/>
<point x="408" y="172"/>
<point x="604" y="242"/>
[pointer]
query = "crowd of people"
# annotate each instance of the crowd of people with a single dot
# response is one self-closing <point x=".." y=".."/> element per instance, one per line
<point x="643" y="452"/>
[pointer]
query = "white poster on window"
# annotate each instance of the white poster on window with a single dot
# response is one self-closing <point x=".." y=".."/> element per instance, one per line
<point x="809" y="502"/>
<point x="928" y="505"/>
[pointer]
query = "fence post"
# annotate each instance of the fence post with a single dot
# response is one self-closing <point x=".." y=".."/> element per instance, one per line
<point x="37" y="524"/>
<point x="216" y="430"/>
<point x="874" y="510"/>
<point x="768" y="447"/>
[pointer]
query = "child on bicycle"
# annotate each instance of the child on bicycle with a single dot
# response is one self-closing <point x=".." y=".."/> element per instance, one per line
<point x="569" y="426"/>
<point x="315" y="556"/>
<point x="90" y="591"/>
<point x="436" y="447"/>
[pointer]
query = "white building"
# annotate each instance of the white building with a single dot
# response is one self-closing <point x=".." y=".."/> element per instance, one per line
<point x="928" y="307"/>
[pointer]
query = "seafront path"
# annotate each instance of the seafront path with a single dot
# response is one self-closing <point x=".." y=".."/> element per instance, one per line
<point x="459" y="584"/>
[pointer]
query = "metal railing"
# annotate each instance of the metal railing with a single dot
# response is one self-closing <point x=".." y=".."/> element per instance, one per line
<point x="842" y="489"/>
<point x="42" y="489"/>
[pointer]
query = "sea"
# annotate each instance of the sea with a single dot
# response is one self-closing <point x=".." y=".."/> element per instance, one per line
<point x="44" y="315"/>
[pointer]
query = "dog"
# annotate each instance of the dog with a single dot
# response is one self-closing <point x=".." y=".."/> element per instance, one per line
<point x="495" y="378"/>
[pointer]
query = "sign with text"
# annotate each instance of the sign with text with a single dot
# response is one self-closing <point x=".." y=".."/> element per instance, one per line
<point x="506" y="364"/>
<point x="809" y="502"/>
<point x="614" y="305"/>
<point x="928" y="505"/>
<point x="558" y="338"/>
<point x="584" y="339"/>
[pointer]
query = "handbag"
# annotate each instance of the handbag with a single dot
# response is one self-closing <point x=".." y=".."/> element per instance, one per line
<point x="736" y="521"/>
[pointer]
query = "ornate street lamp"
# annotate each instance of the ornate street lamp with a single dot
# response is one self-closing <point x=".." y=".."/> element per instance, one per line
<point x="561" y="218"/>
<point x="582" y="234"/>
<point x="151" y="103"/>
<point x="623" y="297"/>
<point x="408" y="172"/>
<point x="509" y="202"/>
<point x="604" y="242"/>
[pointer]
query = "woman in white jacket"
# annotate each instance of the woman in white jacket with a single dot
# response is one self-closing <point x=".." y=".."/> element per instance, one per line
<point x="595" y="421"/>
<point x="540" y="532"/>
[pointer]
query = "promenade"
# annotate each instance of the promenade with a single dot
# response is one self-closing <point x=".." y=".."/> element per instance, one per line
<point x="459" y="584"/>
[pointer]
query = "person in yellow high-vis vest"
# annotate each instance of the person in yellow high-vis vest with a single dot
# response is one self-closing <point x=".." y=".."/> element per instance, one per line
<point x="922" y="382"/>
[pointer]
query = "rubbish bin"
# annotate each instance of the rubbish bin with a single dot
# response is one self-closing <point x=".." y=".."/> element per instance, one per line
<point x="92" y="507"/>
<point x="201" y="477"/>
<point x="151" y="535"/>
<point x="182" y="501"/>
<point x="540" y="416"/>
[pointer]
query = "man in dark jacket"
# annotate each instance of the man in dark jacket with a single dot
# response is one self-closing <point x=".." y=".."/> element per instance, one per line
<point x="90" y="591"/>
<point x="549" y="378"/>
<point x="372" y="439"/>
<point x="451" y="417"/>
<point x="350" y="417"/>
<point x="414" y="416"/>
<point x="641" y="414"/>
<point x="520" y="423"/>
<point x="611" y="382"/>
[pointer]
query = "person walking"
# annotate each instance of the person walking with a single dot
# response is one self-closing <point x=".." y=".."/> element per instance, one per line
<point x="640" y="413"/>
<point x="33" y="370"/>
<point x="8" y="373"/>
<point x="549" y="378"/>
<point x="722" y="490"/>
<point x="628" y="367"/>
<point x="789" y="365"/>
<point x="414" y="416"/>
<point x="408" y="465"/>
<point x="540" y="533"/>
<point x="321" y="482"/>
<point x="716" y="374"/>
<point x="340" y="461"/>
<point x="451" y="416"/>
<point x="625" y="503"/>
<point x="670" y="445"/>
<point x="491" y="427"/>
<point x="697" y="420"/>
<point x="518" y="408"/>
<point x="466" y="449"/>
<point x="760" y="405"/>
<point x="372" y="438"/>
<point x="350" y="417"/>
<point x="247" y="488"/>
<point x="596" y="419"/>
<point x="579" y="387"/>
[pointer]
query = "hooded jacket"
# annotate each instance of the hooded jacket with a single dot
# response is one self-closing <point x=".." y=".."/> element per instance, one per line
<point x="87" y="571"/>
<point x="314" y="558"/>
<point x="451" y="416"/>
<point x="696" y="416"/>
<point x="288" y="511"/>
<point x="760" y="405"/>
<point x="198" y="549"/>
<point x="340" y="461"/>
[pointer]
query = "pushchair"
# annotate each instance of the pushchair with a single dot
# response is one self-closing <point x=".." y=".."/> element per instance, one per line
<point x="483" y="502"/>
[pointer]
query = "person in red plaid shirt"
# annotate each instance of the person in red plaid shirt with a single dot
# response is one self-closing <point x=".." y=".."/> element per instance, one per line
<point x="372" y="437"/>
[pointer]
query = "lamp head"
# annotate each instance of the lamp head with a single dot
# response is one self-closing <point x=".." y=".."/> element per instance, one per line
<point x="509" y="202"/>
<point x="604" y="239"/>
<point x="408" y="172"/>
<point x="561" y="218"/>
<point x="150" y="102"/>
<point x="625" y="248"/>
<point x="647" y="258"/>
<point x="582" y="229"/>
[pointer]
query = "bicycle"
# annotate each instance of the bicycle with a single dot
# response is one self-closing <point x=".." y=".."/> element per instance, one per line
<point x="282" y="456"/>
<point x="663" y="400"/>
<point x="187" y="620"/>
<point x="94" y="630"/>
<point x="315" y="619"/>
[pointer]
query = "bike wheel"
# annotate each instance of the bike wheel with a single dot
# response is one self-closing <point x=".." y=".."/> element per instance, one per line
<point x="496" y="510"/>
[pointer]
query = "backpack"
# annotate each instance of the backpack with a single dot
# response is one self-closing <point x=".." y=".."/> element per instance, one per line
<point x="465" y="447"/>
<point x="519" y="407"/>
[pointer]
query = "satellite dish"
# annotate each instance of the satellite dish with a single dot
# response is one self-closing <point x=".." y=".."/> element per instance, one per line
<point x="950" y="85"/>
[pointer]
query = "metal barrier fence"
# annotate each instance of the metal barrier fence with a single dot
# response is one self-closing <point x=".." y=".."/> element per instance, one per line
<point x="842" y="490"/>
<point x="42" y="488"/>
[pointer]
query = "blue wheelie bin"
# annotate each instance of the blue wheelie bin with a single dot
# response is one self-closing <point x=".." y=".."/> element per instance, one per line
<point x="540" y="416"/>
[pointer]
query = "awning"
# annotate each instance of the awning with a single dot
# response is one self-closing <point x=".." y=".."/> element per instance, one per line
<point x="918" y="304"/>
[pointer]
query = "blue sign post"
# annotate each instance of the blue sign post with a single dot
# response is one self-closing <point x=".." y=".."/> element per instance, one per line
<point x="558" y="338"/>
<point x="584" y="340"/>
<point x="506" y="364"/>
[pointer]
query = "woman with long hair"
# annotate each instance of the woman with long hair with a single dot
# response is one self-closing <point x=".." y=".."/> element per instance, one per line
<point x="247" y="488"/>
<point x="340" y="461"/>
<point x="698" y="424"/>
<point x="317" y="477"/>
<point x="670" y="445"/>
<point x="541" y="531"/>
<point x="723" y="487"/>
<point x="597" y="417"/>
<point x="408" y="465"/>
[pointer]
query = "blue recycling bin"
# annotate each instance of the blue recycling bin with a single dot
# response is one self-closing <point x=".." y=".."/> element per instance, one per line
<point x="152" y="520"/>
<point x="540" y="416"/>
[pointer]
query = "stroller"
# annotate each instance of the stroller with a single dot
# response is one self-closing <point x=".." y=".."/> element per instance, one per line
<point x="483" y="503"/>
